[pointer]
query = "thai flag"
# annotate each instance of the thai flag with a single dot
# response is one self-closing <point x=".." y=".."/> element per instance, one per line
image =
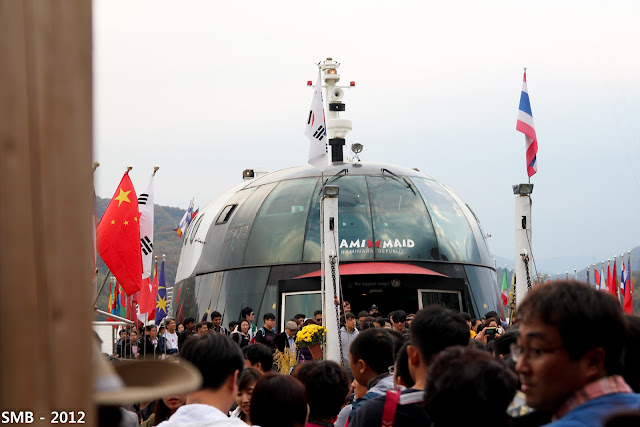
<point x="624" y="277"/>
<point x="525" y="125"/>
<point x="186" y="220"/>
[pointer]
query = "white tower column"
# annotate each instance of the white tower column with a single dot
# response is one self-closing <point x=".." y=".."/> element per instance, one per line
<point x="330" y="272"/>
<point x="523" y="239"/>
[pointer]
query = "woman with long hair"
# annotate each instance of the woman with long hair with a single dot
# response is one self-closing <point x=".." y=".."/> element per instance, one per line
<point x="241" y="334"/>
<point x="246" y="382"/>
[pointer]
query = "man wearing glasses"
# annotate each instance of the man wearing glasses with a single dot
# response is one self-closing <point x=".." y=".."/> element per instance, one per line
<point x="569" y="354"/>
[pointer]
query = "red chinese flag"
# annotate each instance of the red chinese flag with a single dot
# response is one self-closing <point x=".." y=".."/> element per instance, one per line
<point x="118" y="237"/>
<point x="628" y="296"/>
<point x="611" y="283"/>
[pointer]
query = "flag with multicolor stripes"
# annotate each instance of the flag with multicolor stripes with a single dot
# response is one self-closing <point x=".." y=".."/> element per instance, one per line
<point x="505" y="288"/>
<point x="525" y="125"/>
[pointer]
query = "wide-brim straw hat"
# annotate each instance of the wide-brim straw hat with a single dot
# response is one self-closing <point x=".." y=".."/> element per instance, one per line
<point x="137" y="381"/>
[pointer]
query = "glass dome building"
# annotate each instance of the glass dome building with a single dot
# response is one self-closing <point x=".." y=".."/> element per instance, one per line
<point x="405" y="241"/>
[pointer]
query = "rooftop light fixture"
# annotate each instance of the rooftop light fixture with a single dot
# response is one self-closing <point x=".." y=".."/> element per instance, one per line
<point x="330" y="190"/>
<point x="523" y="189"/>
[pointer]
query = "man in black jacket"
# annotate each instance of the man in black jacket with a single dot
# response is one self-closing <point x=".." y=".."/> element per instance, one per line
<point x="189" y="329"/>
<point x="287" y="339"/>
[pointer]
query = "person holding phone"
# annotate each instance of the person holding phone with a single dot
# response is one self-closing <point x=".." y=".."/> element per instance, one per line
<point x="490" y="332"/>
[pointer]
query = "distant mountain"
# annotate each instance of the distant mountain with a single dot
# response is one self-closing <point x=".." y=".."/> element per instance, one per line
<point x="165" y="241"/>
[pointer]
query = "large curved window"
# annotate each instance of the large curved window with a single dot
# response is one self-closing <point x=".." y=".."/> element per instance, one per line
<point x="312" y="234"/>
<point x="277" y="233"/>
<point x="235" y="241"/>
<point x="483" y="285"/>
<point x="401" y="224"/>
<point x="184" y="302"/>
<point x="476" y="227"/>
<point x="455" y="237"/>
<point x="355" y="236"/>
<point x="242" y="288"/>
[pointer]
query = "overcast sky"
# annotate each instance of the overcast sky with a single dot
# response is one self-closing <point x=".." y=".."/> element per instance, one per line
<point x="205" y="89"/>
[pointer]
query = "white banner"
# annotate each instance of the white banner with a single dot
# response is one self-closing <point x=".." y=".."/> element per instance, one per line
<point x="145" y="205"/>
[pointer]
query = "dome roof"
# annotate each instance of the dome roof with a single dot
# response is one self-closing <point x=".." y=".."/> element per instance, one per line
<point x="386" y="212"/>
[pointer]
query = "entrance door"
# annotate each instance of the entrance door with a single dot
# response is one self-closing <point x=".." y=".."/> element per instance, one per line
<point x="448" y="299"/>
<point x="292" y="303"/>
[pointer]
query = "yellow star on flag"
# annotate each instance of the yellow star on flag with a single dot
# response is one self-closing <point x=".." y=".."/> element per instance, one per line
<point x="113" y="221"/>
<point x="162" y="304"/>
<point x="126" y="222"/>
<point x="123" y="197"/>
<point x="135" y="218"/>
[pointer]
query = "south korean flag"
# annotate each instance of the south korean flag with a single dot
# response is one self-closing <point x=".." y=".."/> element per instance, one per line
<point x="316" y="129"/>
<point x="145" y="205"/>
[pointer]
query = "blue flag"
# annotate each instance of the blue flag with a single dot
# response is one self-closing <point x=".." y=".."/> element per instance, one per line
<point x="161" y="298"/>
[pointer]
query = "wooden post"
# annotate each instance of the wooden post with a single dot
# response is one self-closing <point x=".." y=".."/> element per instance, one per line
<point x="46" y="207"/>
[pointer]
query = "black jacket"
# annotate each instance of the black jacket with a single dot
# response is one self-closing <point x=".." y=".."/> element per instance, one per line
<point x="281" y="341"/>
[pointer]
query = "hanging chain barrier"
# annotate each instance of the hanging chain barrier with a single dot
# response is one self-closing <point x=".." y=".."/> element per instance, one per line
<point x="525" y="258"/>
<point x="336" y="303"/>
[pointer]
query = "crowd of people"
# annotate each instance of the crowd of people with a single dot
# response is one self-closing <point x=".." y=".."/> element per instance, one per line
<point x="568" y="357"/>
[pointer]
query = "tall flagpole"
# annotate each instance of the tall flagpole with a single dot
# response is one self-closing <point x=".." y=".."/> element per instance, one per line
<point x="95" y="303"/>
<point x="615" y="278"/>
<point x="164" y="257"/>
<point x="630" y="281"/>
<point x="95" y="224"/>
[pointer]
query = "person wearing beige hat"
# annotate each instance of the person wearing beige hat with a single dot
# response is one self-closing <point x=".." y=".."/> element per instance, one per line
<point x="127" y="382"/>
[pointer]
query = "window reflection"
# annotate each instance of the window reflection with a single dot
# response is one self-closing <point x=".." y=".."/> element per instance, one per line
<point x="301" y="302"/>
<point x="456" y="240"/>
<point x="401" y="223"/>
<point x="483" y="286"/>
<point x="185" y="299"/>
<point x="243" y="288"/>
<point x="277" y="234"/>
<point x="355" y="236"/>
<point x="447" y="299"/>
<point x="236" y="237"/>
<point x="269" y="305"/>
<point x="312" y="234"/>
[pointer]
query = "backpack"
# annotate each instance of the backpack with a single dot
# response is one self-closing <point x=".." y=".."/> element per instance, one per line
<point x="391" y="402"/>
<point x="253" y="339"/>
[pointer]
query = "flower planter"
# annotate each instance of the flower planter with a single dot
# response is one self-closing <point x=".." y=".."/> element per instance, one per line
<point x="316" y="351"/>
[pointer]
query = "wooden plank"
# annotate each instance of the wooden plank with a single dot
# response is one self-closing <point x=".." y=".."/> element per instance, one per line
<point x="45" y="214"/>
